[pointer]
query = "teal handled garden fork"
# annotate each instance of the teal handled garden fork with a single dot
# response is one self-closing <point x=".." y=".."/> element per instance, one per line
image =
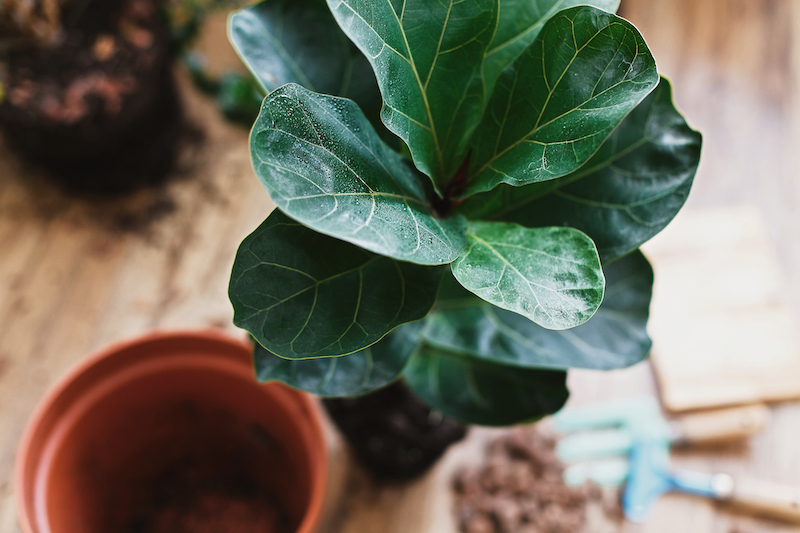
<point x="638" y="438"/>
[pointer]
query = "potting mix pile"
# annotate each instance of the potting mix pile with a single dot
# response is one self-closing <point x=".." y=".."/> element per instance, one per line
<point x="519" y="489"/>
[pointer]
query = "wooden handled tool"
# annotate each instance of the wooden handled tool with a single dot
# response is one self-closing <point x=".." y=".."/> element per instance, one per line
<point x="759" y="497"/>
<point x="719" y="425"/>
<point x="650" y="476"/>
<point x="616" y="425"/>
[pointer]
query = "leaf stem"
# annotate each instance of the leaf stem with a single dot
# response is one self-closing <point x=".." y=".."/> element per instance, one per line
<point x="453" y="189"/>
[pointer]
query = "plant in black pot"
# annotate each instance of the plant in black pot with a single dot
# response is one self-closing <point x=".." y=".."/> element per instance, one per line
<point x="458" y="224"/>
<point x="87" y="90"/>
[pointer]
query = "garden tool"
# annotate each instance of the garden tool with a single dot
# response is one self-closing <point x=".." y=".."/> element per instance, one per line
<point x="615" y="425"/>
<point x="642" y="438"/>
<point x="650" y="476"/>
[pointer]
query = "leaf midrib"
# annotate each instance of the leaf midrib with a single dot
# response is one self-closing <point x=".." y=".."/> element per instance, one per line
<point x="424" y="94"/>
<point x="530" y="28"/>
<point x="558" y="184"/>
<point x="316" y="283"/>
<point x="538" y="127"/>
<point x="508" y="264"/>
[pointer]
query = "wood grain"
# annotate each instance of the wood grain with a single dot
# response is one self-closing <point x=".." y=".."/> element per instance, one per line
<point x="722" y="332"/>
<point x="77" y="274"/>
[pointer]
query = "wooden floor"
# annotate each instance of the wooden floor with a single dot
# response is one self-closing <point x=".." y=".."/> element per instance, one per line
<point x="75" y="274"/>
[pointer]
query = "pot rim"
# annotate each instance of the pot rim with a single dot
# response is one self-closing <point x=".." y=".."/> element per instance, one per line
<point x="22" y="485"/>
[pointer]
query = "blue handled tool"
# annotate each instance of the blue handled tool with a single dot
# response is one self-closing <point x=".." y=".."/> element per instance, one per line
<point x="635" y="432"/>
<point x="650" y="476"/>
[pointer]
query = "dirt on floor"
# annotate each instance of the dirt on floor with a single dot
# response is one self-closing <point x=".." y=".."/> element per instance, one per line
<point x="519" y="489"/>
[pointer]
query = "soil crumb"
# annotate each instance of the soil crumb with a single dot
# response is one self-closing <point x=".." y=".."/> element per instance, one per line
<point x="519" y="489"/>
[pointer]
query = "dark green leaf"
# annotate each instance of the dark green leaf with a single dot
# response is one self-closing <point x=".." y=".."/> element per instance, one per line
<point x="427" y="57"/>
<point x="324" y="165"/>
<point x="549" y="275"/>
<point x="615" y="337"/>
<point x="553" y="108"/>
<point x="298" y="41"/>
<point x="629" y="191"/>
<point x="302" y="294"/>
<point x="519" y="23"/>
<point x="481" y="392"/>
<point x="349" y="375"/>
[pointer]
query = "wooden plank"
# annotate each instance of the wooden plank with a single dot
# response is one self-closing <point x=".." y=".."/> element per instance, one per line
<point x="77" y="274"/>
<point x="721" y="332"/>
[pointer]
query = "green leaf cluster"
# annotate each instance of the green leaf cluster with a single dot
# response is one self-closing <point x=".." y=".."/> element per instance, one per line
<point x="462" y="189"/>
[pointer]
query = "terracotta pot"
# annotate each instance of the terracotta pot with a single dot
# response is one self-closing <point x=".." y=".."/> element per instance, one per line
<point x="166" y="432"/>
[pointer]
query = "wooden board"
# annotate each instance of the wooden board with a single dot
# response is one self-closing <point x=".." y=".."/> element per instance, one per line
<point x="722" y="331"/>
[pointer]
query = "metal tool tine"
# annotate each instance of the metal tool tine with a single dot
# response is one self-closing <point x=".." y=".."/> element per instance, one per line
<point x="593" y="444"/>
<point x="619" y="413"/>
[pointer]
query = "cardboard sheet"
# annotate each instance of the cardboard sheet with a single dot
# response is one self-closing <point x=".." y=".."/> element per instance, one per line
<point x="722" y="333"/>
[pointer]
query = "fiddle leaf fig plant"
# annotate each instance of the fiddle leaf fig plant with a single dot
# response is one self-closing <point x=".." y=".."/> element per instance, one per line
<point x="465" y="215"/>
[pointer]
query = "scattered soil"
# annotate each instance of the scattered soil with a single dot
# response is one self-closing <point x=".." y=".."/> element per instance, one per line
<point x="519" y="489"/>
<point x="392" y="433"/>
<point x="139" y="221"/>
<point x="99" y="109"/>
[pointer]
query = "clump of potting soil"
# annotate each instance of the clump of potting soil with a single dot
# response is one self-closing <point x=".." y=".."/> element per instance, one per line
<point x="519" y="489"/>
<point x="393" y="434"/>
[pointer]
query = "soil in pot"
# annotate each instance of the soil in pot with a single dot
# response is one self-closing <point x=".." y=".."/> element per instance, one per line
<point x="207" y="471"/>
<point x="99" y="109"/>
<point x="171" y="434"/>
<point x="393" y="434"/>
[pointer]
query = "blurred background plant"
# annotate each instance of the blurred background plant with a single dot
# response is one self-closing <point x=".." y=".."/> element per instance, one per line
<point x="41" y="22"/>
<point x="37" y="21"/>
<point x="237" y="94"/>
<point x="30" y="25"/>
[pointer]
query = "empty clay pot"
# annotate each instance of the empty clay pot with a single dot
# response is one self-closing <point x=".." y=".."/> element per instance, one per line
<point x="171" y="432"/>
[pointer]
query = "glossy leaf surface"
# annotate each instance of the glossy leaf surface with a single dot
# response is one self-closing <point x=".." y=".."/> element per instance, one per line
<point x="482" y="392"/>
<point x="298" y="41"/>
<point x="427" y="57"/>
<point x="519" y="23"/>
<point x="553" y="108"/>
<point x="324" y="165"/>
<point x="549" y="275"/>
<point x="349" y="375"/>
<point x="302" y="294"/>
<point x="615" y="337"/>
<point x="629" y="191"/>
